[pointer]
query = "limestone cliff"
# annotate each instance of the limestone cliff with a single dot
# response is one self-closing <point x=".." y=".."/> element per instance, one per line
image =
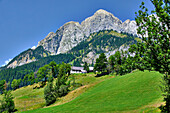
<point x="72" y="33"/>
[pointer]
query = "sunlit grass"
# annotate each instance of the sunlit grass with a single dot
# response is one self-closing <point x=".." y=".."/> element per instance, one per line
<point x="134" y="92"/>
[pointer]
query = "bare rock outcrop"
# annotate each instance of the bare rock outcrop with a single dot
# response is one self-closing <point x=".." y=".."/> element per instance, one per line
<point x="72" y="33"/>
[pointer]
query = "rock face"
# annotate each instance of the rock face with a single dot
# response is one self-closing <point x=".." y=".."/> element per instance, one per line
<point x="28" y="56"/>
<point x="72" y="33"/>
<point x="101" y="20"/>
<point x="129" y="27"/>
<point x="49" y="43"/>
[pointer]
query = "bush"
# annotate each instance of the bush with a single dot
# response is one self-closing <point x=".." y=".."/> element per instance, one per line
<point x="7" y="104"/>
<point x="63" y="90"/>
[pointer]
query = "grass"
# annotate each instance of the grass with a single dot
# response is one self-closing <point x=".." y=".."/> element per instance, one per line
<point x="134" y="92"/>
<point x="27" y="98"/>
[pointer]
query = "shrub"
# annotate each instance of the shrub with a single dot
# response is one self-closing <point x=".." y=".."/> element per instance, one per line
<point x="7" y="103"/>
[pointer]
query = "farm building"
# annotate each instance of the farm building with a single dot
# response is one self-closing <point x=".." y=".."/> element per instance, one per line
<point x="75" y="69"/>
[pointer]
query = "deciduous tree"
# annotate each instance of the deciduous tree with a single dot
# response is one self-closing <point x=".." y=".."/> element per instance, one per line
<point x="7" y="103"/>
<point x="155" y="32"/>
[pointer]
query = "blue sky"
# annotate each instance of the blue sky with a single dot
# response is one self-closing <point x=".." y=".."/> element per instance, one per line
<point x="25" y="22"/>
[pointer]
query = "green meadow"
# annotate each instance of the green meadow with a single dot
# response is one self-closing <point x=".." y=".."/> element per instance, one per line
<point x="134" y="92"/>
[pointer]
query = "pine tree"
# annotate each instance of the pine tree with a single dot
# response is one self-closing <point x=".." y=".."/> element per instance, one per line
<point x="101" y="63"/>
<point x="86" y="67"/>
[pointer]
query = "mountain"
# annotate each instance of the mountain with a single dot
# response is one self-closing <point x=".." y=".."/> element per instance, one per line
<point x="28" y="56"/>
<point x="105" y="41"/>
<point x="72" y="33"/>
<point x="65" y="38"/>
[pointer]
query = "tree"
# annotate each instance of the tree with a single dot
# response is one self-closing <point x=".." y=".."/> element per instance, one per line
<point x="54" y="68"/>
<point x="62" y="76"/>
<point x="86" y="67"/>
<point x="43" y="72"/>
<point x="31" y="78"/>
<point x="2" y="87"/>
<point x="49" y="93"/>
<point x="61" y="88"/>
<point x="101" y="63"/>
<point x="155" y="30"/>
<point x="116" y="60"/>
<point x="112" y="62"/>
<point x="68" y="68"/>
<point x="15" y="83"/>
<point x="7" y="103"/>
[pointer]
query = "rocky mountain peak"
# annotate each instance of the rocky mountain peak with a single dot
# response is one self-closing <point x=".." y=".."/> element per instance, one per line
<point x="105" y="13"/>
<point x="72" y="33"/>
<point x="71" y="22"/>
<point x="101" y="11"/>
<point x="127" y="21"/>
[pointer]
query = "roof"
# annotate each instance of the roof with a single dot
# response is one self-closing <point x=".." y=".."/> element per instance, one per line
<point x="77" y="68"/>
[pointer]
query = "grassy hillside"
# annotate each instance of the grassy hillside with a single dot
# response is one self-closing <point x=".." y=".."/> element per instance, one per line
<point x="134" y="92"/>
<point x="27" y="98"/>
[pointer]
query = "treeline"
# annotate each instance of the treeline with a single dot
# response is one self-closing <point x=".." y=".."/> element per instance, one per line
<point x="19" y="72"/>
<point x="123" y="62"/>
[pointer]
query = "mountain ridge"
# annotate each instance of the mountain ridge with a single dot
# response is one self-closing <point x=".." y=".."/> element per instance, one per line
<point x="72" y="33"/>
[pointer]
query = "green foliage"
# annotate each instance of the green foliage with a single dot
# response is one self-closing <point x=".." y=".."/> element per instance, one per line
<point x="86" y="67"/>
<point x="77" y="62"/>
<point x="61" y="88"/>
<point x="21" y="71"/>
<point x="2" y="87"/>
<point x="43" y="73"/>
<point x="122" y="62"/>
<point x="54" y="67"/>
<point x="156" y="45"/>
<point x="7" y="103"/>
<point x="15" y="83"/>
<point x="49" y="94"/>
<point x="29" y="79"/>
<point x="101" y="63"/>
